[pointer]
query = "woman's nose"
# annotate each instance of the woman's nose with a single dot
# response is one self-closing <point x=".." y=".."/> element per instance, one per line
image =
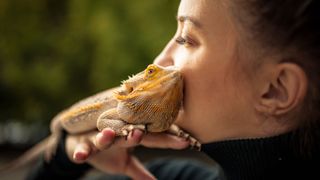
<point x="165" y="58"/>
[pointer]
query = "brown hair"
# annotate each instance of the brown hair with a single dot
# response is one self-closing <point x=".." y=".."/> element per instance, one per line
<point x="291" y="27"/>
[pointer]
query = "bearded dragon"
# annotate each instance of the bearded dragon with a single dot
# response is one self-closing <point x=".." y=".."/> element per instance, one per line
<point x="149" y="101"/>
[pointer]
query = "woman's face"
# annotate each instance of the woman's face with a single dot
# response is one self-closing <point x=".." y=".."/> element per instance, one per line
<point x="218" y="88"/>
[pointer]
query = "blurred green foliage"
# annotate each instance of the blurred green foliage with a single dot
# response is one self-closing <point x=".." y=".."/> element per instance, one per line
<point x="55" y="52"/>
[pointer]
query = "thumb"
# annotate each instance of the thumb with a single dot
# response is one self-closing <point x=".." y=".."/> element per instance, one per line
<point x="136" y="170"/>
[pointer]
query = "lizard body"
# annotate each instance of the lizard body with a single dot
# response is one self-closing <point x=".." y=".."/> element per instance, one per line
<point x="149" y="100"/>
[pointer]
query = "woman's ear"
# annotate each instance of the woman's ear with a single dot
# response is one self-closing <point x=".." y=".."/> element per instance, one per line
<point x="283" y="91"/>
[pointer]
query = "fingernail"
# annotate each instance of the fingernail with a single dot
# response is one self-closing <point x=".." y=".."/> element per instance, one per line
<point x="99" y="136"/>
<point x="138" y="133"/>
<point x="108" y="131"/>
<point x="101" y="139"/>
<point x="132" y="133"/>
<point x="80" y="156"/>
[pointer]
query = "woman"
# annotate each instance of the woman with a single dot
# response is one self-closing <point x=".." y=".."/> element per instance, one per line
<point x="251" y="91"/>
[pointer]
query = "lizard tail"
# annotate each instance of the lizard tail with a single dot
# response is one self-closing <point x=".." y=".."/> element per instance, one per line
<point x="26" y="158"/>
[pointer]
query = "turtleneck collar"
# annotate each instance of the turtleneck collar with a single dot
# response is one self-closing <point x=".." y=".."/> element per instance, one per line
<point x="261" y="158"/>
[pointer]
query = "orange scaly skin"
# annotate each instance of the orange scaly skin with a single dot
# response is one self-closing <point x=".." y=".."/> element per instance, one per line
<point x="149" y="100"/>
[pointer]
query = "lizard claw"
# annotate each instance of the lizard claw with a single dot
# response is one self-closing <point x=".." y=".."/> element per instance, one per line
<point x="194" y="143"/>
<point x="124" y="132"/>
<point x="128" y="129"/>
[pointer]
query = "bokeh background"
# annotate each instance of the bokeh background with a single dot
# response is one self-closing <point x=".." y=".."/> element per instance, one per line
<point x="55" y="52"/>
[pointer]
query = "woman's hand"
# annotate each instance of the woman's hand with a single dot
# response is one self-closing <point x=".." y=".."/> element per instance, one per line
<point x="112" y="155"/>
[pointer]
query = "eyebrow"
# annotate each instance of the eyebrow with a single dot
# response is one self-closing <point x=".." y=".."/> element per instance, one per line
<point x="189" y="19"/>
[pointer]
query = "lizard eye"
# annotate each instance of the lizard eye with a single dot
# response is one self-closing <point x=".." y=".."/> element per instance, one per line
<point x="150" y="71"/>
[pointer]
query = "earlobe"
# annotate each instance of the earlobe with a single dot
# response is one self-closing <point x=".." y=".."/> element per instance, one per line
<point x="285" y="90"/>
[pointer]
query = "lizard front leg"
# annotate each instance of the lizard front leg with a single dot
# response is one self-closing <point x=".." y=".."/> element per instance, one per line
<point x="111" y="119"/>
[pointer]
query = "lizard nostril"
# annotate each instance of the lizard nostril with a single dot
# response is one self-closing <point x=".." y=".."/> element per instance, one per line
<point x="130" y="89"/>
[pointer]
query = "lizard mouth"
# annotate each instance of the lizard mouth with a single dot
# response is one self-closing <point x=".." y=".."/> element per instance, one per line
<point x="127" y="90"/>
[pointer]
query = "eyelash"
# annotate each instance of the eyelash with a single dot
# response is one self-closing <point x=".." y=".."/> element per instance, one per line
<point x="184" y="41"/>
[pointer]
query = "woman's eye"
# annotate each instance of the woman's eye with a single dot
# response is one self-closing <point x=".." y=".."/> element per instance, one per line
<point x="180" y="40"/>
<point x="184" y="41"/>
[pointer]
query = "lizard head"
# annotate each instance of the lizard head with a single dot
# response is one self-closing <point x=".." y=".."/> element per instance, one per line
<point x="152" y="97"/>
<point x="152" y="78"/>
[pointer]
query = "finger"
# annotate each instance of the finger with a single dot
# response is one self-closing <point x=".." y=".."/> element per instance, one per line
<point x="163" y="140"/>
<point x="104" y="138"/>
<point x="81" y="152"/>
<point x="133" y="139"/>
<point x="136" y="170"/>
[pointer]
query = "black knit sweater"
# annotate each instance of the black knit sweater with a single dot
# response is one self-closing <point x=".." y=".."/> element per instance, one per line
<point x="264" y="158"/>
